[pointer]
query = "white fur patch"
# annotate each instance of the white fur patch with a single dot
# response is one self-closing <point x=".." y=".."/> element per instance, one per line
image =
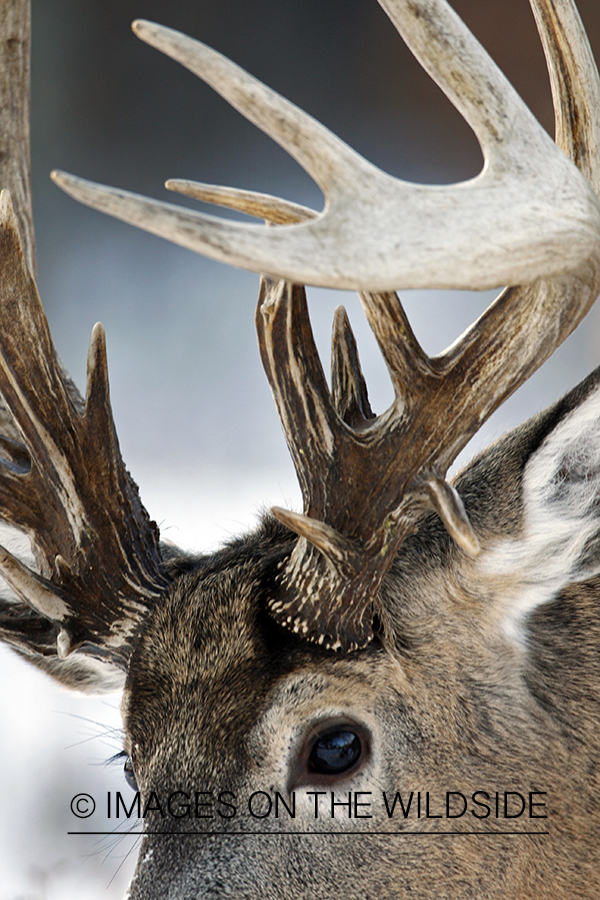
<point x="560" y="543"/>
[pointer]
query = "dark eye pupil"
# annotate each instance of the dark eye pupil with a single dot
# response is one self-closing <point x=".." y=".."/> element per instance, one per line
<point x="130" y="774"/>
<point x="335" y="752"/>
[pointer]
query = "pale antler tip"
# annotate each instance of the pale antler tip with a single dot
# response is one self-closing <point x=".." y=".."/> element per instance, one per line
<point x="97" y="348"/>
<point x="138" y="26"/>
<point x="32" y="588"/>
<point x="147" y="31"/>
<point x="98" y="333"/>
<point x="64" y="181"/>
<point x="288" y="518"/>
<point x="97" y="369"/>
<point x="336" y="548"/>
<point x="64" y="645"/>
<point x="340" y="316"/>
<point x="537" y="217"/>
<point x="62" y="567"/>
<point x="449" y="506"/>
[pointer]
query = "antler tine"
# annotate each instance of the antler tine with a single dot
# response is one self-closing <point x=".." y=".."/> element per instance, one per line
<point x="378" y="232"/>
<point x="409" y="367"/>
<point x="97" y="551"/>
<point x="15" y="163"/>
<point x="575" y="85"/>
<point x="460" y="66"/>
<point x="300" y="390"/>
<point x="261" y="206"/>
<point x="323" y="155"/>
<point x="348" y="387"/>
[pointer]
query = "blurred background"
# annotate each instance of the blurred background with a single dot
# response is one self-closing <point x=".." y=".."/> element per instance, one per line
<point x="196" y="422"/>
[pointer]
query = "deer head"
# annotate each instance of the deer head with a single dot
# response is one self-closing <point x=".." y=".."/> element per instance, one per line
<point x="405" y="644"/>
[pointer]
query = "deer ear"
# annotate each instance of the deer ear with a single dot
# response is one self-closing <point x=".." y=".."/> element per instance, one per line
<point x="558" y="542"/>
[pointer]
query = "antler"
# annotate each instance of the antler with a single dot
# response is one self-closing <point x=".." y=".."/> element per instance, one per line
<point x="62" y="479"/>
<point x="529" y="217"/>
<point x="15" y="162"/>
<point x="378" y="232"/>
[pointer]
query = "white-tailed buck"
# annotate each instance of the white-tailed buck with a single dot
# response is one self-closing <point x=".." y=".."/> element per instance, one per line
<point x="395" y="693"/>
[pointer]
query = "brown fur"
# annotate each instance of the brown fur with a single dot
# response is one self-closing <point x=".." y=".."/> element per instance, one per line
<point x="220" y="698"/>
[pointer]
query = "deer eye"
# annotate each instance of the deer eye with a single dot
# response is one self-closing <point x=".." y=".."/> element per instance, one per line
<point x="130" y="774"/>
<point x="335" y="752"/>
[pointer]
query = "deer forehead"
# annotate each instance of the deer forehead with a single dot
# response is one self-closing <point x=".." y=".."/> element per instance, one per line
<point x="231" y="679"/>
<point x="221" y="662"/>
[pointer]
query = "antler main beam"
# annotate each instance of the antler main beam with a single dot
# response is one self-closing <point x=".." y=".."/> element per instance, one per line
<point x="378" y="232"/>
